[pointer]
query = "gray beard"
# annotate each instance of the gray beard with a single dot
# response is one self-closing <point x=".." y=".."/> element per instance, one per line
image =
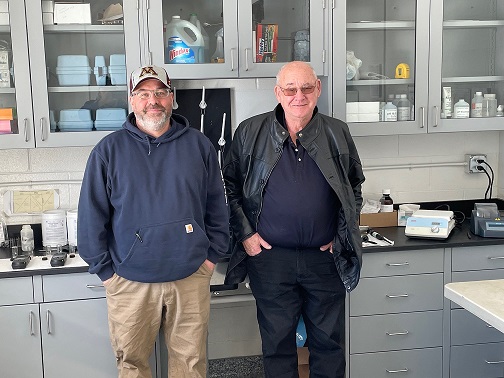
<point x="154" y="124"/>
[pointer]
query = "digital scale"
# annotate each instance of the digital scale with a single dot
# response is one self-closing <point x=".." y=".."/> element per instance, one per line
<point x="436" y="224"/>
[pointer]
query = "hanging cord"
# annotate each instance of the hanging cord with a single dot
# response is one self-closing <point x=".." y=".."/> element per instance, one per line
<point x="480" y="168"/>
<point x="493" y="176"/>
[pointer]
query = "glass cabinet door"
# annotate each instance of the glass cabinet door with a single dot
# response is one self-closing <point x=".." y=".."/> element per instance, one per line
<point x="78" y="69"/>
<point x="469" y="58"/>
<point x="231" y="38"/>
<point x="16" y="125"/>
<point x="386" y="66"/>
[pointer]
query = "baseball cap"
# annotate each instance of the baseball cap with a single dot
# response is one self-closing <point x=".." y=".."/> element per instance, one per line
<point x="149" y="72"/>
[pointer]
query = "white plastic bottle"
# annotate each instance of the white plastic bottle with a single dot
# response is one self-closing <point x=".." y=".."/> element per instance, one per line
<point x="27" y="241"/>
<point x="489" y="107"/>
<point x="4" y="236"/>
<point x="477" y="105"/>
<point x="205" y="52"/>
<point x="183" y="47"/>
<point x="396" y="99"/>
<point x="389" y="112"/>
<point x="218" y="55"/>
<point x="461" y="109"/>
<point x="403" y="108"/>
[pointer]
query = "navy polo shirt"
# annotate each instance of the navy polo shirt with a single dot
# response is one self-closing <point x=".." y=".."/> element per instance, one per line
<point x="299" y="209"/>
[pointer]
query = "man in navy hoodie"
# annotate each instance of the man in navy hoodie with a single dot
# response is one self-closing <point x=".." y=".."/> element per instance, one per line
<point x="152" y="224"/>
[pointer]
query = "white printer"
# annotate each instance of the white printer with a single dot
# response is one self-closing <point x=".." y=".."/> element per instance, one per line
<point x="435" y="224"/>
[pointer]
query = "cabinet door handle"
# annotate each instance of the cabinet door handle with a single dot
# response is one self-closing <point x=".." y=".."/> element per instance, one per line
<point x="397" y="264"/>
<point x="233" y="51"/>
<point x="405" y="370"/>
<point x="48" y="321"/>
<point x="422" y="112"/>
<point x="436" y="116"/>
<point x="402" y="333"/>
<point x="246" y="59"/>
<point x="494" y="362"/>
<point x="397" y="296"/>
<point x="496" y="258"/>
<point x="94" y="286"/>
<point x="26" y="136"/>
<point x="32" y="330"/>
<point x="42" y="136"/>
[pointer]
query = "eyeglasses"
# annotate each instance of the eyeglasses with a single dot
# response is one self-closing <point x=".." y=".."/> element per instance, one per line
<point x="292" y="91"/>
<point x="144" y="94"/>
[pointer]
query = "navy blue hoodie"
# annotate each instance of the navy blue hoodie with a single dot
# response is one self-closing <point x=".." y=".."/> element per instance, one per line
<point x="152" y="209"/>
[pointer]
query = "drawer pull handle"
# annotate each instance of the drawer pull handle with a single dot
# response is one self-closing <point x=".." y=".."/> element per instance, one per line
<point x="494" y="362"/>
<point x="496" y="258"/>
<point x="32" y="330"/>
<point x="397" y="264"/>
<point x="48" y="321"/>
<point x="397" y="296"/>
<point x="397" y="333"/>
<point x="94" y="286"/>
<point x="405" y="370"/>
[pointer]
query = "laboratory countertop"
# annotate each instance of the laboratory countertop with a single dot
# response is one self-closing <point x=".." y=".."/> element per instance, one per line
<point x="485" y="299"/>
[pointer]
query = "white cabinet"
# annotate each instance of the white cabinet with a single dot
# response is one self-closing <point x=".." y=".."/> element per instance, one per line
<point x="38" y="93"/>
<point x="445" y="43"/>
<point x="296" y="20"/>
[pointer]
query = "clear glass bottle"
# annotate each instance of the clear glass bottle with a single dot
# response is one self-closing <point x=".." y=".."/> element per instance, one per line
<point x="386" y="202"/>
<point x="489" y="107"/>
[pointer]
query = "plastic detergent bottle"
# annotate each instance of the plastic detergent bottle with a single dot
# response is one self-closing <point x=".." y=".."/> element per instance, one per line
<point x="184" y="42"/>
<point x="461" y="109"/>
<point x="218" y="55"/>
<point x="477" y="105"/>
<point x="389" y="112"/>
<point x="403" y="108"/>
<point x="204" y="53"/>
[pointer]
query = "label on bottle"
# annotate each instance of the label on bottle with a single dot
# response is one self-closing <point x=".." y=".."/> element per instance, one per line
<point x="386" y="208"/>
<point x="389" y="115"/>
<point x="179" y="52"/>
<point x="403" y="113"/>
<point x="462" y="112"/>
<point x="477" y="109"/>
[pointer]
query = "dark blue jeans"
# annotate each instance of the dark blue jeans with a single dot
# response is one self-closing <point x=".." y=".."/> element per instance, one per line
<point x="287" y="283"/>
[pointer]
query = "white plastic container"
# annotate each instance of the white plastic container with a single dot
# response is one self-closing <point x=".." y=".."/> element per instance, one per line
<point x="477" y="105"/>
<point x="182" y="47"/>
<point x="461" y="109"/>
<point x="71" y="222"/>
<point x="218" y="55"/>
<point x="54" y="231"/>
<point x="389" y="112"/>
<point x="403" y="108"/>
<point x="27" y="240"/>
<point x="489" y="107"/>
<point x="204" y="53"/>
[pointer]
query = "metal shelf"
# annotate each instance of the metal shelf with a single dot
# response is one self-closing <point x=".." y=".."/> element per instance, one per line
<point x="85" y="88"/>
<point x="114" y="29"/>
<point x="381" y="25"/>
<point x="472" y="79"/>
<point x="379" y="82"/>
<point x="462" y="24"/>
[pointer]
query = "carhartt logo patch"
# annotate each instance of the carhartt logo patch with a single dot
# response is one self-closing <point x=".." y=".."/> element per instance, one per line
<point x="188" y="228"/>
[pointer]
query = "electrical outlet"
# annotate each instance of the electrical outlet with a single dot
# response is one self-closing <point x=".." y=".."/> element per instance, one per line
<point x="473" y="164"/>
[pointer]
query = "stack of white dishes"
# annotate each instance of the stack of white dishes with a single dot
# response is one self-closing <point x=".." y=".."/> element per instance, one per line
<point x="75" y="120"/>
<point x="73" y="70"/>
<point x="110" y="118"/>
<point x="117" y="69"/>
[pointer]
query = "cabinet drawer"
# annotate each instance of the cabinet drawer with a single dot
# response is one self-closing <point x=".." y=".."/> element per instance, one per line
<point x="62" y="287"/>
<point x="16" y="291"/>
<point x="469" y="329"/>
<point x="417" y="363"/>
<point x="396" y="331"/>
<point x="386" y="295"/>
<point x="481" y="360"/>
<point x="402" y="263"/>
<point x="476" y="258"/>
<point x="495" y="274"/>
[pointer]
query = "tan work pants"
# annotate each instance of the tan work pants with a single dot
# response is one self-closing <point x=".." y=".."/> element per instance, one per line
<point x="137" y="310"/>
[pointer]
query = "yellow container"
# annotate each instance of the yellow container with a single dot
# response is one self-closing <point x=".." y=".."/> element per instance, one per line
<point x="402" y="71"/>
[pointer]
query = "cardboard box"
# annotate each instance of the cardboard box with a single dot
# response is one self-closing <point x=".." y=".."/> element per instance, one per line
<point x="303" y="365"/>
<point x="379" y="219"/>
<point x="266" y="43"/>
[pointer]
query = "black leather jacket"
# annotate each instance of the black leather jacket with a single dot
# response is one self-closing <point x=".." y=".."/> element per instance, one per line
<point x="255" y="150"/>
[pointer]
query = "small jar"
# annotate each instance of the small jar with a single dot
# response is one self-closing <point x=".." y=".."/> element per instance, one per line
<point x="386" y="202"/>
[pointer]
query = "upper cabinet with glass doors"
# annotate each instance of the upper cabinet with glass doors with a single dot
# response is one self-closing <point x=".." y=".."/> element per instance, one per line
<point x="467" y="56"/>
<point x="75" y="62"/>
<point x="383" y="66"/>
<point x="453" y="49"/>
<point x="195" y="39"/>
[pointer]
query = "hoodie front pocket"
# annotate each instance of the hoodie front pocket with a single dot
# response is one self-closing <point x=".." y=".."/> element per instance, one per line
<point x="173" y="242"/>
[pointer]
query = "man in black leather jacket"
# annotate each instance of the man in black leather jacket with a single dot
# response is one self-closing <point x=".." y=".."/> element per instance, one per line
<point x="293" y="179"/>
